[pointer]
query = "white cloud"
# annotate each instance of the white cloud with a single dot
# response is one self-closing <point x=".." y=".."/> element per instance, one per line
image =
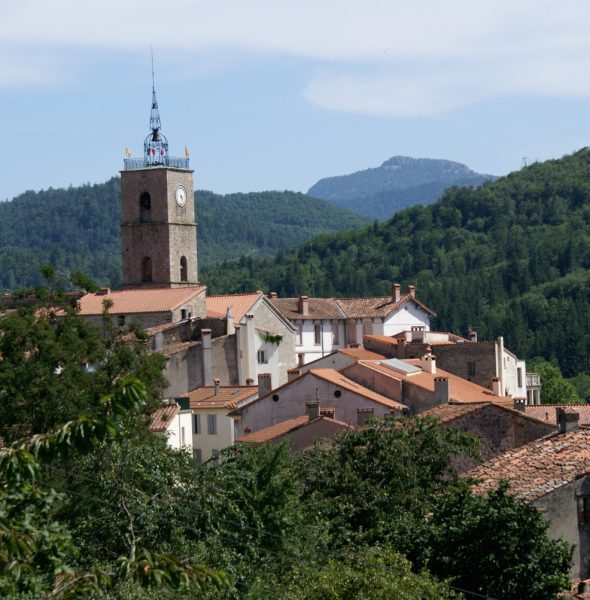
<point x="388" y="57"/>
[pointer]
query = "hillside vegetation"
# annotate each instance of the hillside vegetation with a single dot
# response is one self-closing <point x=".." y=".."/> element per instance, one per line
<point x="510" y="258"/>
<point x="78" y="229"/>
<point x="398" y="183"/>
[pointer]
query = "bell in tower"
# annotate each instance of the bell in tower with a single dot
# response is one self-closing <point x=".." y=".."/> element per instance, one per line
<point x="158" y="229"/>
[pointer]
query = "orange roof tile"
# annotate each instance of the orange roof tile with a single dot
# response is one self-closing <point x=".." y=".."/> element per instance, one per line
<point x="462" y="391"/>
<point x="274" y="431"/>
<point x="539" y="467"/>
<point x="161" y="418"/>
<point x="139" y="301"/>
<point x="548" y="412"/>
<point x="228" y="395"/>
<point x="383" y="339"/>
<point x="337" y="378"/>
<point x="376" y="307"/>
<point x="240" y="304"/>
<point x="319" y="308"/>
<point x="361" y="354"/>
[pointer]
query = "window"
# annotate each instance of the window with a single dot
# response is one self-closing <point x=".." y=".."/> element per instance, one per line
<point x="146" y="269"/>
<point x="364" y="414"/>
<point x="198" y="455"/>
<point x="471" y="369"/>
<point x="197" y="424"/>
<point x="183" y="314"/>
<point x="317" y="334"/>
<point x="519" y="376"/>
<point x="212" y="424"/>
<point x="583" y="510"/>
<point x="262" y="360"/>
<point x="121" y="320"/>
<point x="145" y="205"/>
<point x="183" y="269"/>
<point x="335" y="329"/>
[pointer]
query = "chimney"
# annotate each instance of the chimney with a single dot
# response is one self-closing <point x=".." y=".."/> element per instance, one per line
<point x="313" y="410"/>
<point x="249" y="381"/>
<point x="264" y="384"/>
<point x="412" y="290"/>
<point x="568" y="419"/>
<point x="273" y="295"/>
<point x="519" y="404"/>
<point x="472" y="335"/>
<point x="396" y="292"/>
<point x="104" y="291"/>
<point x="207" y="357"/>
<point x="442" y="390"/>
<point x="417" y="333"/>
<point x="303" y="305"/>
<point x="496" y="386"/>
<point x="217" y="384"/>
<point x="230" y="325"/>
<point x="428" y="362"/>
<point x="293" y="374"/>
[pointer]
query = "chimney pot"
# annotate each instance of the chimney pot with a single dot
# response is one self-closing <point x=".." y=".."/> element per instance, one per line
<point x="273" y="295"/>
<point x="519" y="404"/>
<point x="217" y="384"/>
<point x="496" y="386"/>
<point x="472" y="335"/>
<point x="412" y="290"/>
<point x="313" y="410"/>
<point x="396" y="292"/>
<point x="264" y="384"/>
<point x="568" y="419"/>
<point x="442" y="390"/>
<point x="303" y="305"/>
<point x="428" y="361"/>
<point x="293" y="374"/>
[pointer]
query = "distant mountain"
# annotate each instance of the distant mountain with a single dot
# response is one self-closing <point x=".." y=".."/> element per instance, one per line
<point x="78" y="229"/>
<point x="398" y="183"/>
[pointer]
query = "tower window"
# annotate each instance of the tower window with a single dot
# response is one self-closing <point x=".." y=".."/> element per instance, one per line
<point x="146" y="269"/>
<point x="145" y="207"/>
<point x="183" y="269"/>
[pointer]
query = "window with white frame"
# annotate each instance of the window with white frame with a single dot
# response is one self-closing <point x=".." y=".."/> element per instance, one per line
<point x="212" y="424"/>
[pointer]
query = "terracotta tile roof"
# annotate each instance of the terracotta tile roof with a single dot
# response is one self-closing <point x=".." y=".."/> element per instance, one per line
<point x="548" y="412"/>
<point x="161" y="418"/>
<point x="337" y="378"/>
<point x="446" y="413"/>
<point x="274" y="431"/>
<point x="537" y="468"/>
<point x="171" y="349"/>
<point x="383" y="339"/>
<point x="376" y="307"/>
<point x="139" y="301"/>
<point x="361" y="354"/>
<point x="240" y="304"/>
<point x="319" y="308"/>
<point x="462" y="391"/>
<point x="228" y="396"/>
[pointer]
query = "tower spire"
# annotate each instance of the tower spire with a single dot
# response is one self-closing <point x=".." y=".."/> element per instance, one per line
<point x="156" y="145"/>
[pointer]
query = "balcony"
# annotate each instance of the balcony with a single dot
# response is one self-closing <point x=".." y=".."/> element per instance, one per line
<point x="133" y="164"/>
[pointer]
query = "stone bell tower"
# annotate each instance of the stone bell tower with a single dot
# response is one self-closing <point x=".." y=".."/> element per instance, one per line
<point x="158" y="229"/>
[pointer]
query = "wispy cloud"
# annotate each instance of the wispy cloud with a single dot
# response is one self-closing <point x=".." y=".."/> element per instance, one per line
<point x="384" y="57"/>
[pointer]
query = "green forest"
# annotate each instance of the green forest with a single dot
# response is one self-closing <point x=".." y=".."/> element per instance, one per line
<point x="78" y="229"/>
<point x="509" y="258"/>
<point x="93" y="505"/>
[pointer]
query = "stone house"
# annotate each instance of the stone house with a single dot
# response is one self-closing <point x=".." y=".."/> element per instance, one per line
<point x="553" y="475"/>
<point x="324" y="325"/>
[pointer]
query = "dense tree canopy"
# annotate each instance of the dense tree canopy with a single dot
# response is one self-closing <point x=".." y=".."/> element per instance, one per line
<point x="509" y="258"/>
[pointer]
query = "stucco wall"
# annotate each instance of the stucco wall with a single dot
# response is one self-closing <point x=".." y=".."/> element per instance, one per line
<point x="291" y="403"/>
<point x="207" y="442"/>
<point x="336" y="360"/>
<point x="306" y="437"/>
<point x="402" y="320"/>
<point x="174" y="432"/>
<point x="376" y="381"/>
<point x="560" y="508"/>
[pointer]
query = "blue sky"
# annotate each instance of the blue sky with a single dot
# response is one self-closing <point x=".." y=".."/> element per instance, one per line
<point x="275" y="94"/>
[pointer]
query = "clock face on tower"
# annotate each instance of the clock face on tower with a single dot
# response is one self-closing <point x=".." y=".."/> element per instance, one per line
<point x="180" y="196"/>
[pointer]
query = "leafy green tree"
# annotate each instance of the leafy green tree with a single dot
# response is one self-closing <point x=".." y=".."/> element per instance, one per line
<point x="582" y="384"/>
<point x="555" y="389"/>
<point x="496" y="545"/>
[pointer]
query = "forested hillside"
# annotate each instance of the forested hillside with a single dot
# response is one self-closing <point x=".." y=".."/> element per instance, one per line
<point x="511" y="258"/>
<point x="78" y="229"/>
<point x="398" y="183"/>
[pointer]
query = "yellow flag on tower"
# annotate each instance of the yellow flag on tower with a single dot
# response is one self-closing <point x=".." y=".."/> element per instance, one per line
<point x="127" y="152"/>
<point x="186" y="152"/>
